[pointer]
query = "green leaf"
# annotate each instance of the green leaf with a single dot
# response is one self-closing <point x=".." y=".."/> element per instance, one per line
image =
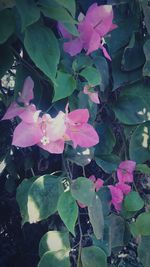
<point x="64" y="86"/>
<point x="133" y="202"/>
<point x="68" y="210"/>
<point x="44" y="53"/>
<point x="28" y="11"/>
<point x="43" y="197"/>
<point x="70" y="5"/>
<point x="81" y="61"/>
<point x="132" y="106"/>
<point x="54" y="259"/>
<point x="6" y="4"/>
<point x="54" y="241"/>
<point x="7" y="25"/>
<point x="22" y="197"/>
<point x="143" y="168"/>
<point x="122" y="78"/>
<point x="95" y="212"/>
<point x="92" y="75"/>
<point x="117" y="229"/>
<point x="143" y="223"/>
<point x="82" y="189"/>
<point x="107" y="139"/>
<point x="58" y="13"/>
<point x="139" y="147"/>
<point x="81" y="156"/>
<point x="6" y="59"/>
<point x="133" y="56"/>
<point x="146" y="68"/>
<point x="105" y="197"/>
<point x="93" y="257"/>
<point x="108" y="163"/>
<point x="143" y="250"/>
<point x="102" y="66"/>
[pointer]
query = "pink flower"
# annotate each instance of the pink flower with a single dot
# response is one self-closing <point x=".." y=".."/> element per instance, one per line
<point x="97" y="183"/>
<point x="25" y="97"/>
<point x="117" y="197"/>
<point x="45" y="132"/>
<point x="96" y="24"/>
<point x="92" y="95"/>
<point x="125" y="171"/>
<point x="51" y="133"/>
<point x="78" y="130"/>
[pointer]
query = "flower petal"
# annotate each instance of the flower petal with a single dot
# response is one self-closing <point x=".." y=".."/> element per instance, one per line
<point x="125" y="171"/>
<point x="26" y="134"/>
<point x="27" y="92"/>
<point x="84" y="136"/>
<point x="13" y="110"/>
<point x="56" y="147"/>
<point x="98" y="184"/>
<point x="73" y="47"/>
<point x="79" y="116"/>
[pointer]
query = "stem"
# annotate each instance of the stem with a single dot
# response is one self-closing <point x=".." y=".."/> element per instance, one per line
<point x="84" y="174"/>
<point x="80" y="242"/>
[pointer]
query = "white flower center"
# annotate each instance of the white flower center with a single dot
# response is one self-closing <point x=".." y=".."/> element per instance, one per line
<point x="45" y="140"/>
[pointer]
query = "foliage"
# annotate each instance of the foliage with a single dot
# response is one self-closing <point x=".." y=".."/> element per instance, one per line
<point x="75" y="125"/>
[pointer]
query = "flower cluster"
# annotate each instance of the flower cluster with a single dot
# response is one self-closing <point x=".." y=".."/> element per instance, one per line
<point x="47" y="132"/>
<point x="92" y="28"/>
<point x="125" y="175"/>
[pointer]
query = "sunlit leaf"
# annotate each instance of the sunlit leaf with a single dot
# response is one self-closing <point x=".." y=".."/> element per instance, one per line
<point x="54" y="241"/>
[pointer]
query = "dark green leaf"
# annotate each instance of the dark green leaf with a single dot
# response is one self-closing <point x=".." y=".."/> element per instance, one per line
<point x="120" y="77"/>
<point x="28" y="11"/>
<point x="6" y="4"/>
<point x="54" y="241"/>
<point x="139" y="148"/>
<point x="7" y="25"/>
<point x="132" y="106"/>
<point x="44" y="53"/>
<point x="93" y="257"/>
<point x="105" y="197"/>
<point x="82" y="189"/>
<point x="96" y="217"/>
<point x="107" y="139"/>
<point x="133" y="56"/>
<point x="92" y="75"/>
<point x="68" y="210"/>
<point x="133" y="202"/>
<point x="108" y="163"/>
<point x="43" y="197"/>
<point x="65" y="84"/>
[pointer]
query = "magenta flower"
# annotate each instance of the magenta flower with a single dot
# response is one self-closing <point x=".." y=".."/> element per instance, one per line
<point x="92" y="95"/>
<point x="117" y="197"/>
<point x="94" y="26"/>
<point x="51" y="133"/>
<point x="25" y="97"/>
<point x="125" y="171"/>
<point x="79" y="131"/>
